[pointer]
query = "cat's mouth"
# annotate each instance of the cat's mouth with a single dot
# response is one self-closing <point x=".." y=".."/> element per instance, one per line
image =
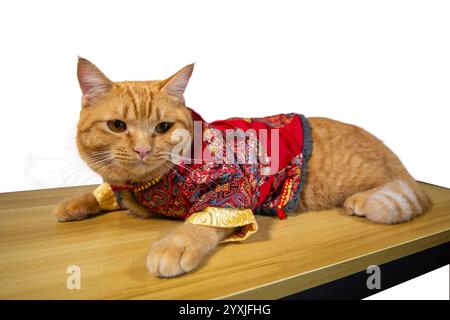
<point x="120" y="169"/>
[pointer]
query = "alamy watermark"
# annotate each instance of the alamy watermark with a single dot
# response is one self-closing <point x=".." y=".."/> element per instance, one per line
<point x="74" y="279"/>
<point x="229" y="146"/>
<point x="374" y="280"/>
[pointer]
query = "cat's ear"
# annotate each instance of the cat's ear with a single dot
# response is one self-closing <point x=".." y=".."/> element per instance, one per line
<point x="176" y="84"/>
<point x="93" y="82"/>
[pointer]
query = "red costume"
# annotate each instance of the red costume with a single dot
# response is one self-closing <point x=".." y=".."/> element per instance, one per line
<point x="267" y="183"/>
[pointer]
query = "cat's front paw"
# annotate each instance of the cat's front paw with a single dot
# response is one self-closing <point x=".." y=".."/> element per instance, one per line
<point x="77" y="208"/>
<point x="176" y="254"/>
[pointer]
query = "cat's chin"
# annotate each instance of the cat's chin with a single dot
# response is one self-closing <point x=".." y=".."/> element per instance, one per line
<point x="136" y="172"/>
<point x="130" y="178"/>
<point x="143" y="172"/>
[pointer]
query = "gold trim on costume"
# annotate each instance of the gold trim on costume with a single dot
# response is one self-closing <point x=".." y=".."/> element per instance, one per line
<point x="242" y="219"/>
<point x="105" y="197"/>
<point x="147" y="185"/>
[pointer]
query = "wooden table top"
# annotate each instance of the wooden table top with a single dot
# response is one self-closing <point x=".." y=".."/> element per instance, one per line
<point x="282" y="258"/>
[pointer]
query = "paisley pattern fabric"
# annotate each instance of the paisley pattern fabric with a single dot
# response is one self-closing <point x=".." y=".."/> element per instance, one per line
<point x="223" y="184"/>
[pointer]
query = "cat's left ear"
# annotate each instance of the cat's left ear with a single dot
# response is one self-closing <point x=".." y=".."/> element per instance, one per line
<point x="176" y="84"/>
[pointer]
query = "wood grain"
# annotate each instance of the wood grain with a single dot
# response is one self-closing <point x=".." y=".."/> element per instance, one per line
<point x="284" y="257"/>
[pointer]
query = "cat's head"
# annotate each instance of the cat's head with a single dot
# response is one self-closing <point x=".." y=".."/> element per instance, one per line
<point x="125" y="128"/>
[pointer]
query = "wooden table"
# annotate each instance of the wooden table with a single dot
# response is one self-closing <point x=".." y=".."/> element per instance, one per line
<point x="283" y="258"/>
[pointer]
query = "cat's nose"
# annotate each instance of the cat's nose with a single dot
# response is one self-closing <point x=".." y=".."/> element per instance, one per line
<point x="142" y="151"/>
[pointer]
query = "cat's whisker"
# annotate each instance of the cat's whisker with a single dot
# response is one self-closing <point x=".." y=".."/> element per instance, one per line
<point x="98" y="163"/>
<point x="108" y="168"/>
<point x="182" y="158"/>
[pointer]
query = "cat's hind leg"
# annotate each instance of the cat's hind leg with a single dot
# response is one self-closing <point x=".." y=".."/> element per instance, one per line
<point x="394" y="202"/>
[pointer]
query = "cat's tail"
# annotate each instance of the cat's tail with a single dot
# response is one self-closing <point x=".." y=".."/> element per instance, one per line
<point x="396" y="201"/>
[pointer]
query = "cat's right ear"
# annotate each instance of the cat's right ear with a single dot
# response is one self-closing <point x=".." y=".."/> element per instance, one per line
<point x="93" y="82"/>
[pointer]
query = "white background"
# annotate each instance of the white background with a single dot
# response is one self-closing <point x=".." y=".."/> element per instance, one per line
<point x="433" y="285"/>
<point x="383" y="65"/>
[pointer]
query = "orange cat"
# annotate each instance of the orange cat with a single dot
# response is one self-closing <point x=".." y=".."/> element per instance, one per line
<point x="125" y="134"/>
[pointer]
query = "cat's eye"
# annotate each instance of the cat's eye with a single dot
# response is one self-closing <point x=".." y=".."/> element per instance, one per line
<point x="163" y="127"/>
<point x="117" y="125"/>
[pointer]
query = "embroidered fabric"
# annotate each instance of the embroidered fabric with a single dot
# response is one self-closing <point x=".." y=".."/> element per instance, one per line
<point x="223" y="190"/>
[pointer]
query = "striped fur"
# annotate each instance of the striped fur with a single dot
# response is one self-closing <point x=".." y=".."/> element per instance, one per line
<point x="349" y="167"/>
<point x="395" y="202"/>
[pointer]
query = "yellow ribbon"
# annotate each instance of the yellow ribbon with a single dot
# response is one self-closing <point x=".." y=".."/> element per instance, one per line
<point x="105" y="197"/>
